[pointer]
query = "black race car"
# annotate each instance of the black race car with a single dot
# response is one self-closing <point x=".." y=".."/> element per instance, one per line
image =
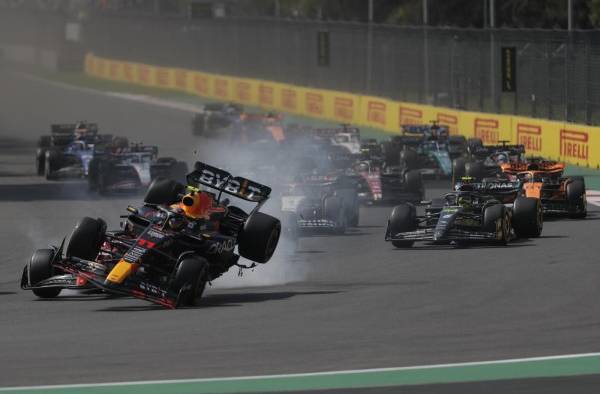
<point x="390" y="184"/>
<point x="215" y="117"/>
<point x="485" y="161"/>
<point x="131" y="168"/>
<point x="168" y="249"/>
<point x="462" y="217"/>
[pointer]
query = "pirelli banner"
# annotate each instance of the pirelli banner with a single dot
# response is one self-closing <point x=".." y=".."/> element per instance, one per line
<point x="573" y="143"/>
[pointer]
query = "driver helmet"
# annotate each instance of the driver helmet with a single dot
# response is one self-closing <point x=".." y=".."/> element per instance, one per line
<point x="197" y="205"/>
<point x="502" y="158"/>
<point x="81" y="130"/>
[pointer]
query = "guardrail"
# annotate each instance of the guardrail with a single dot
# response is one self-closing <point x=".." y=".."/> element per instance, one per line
<point x="573" y="143"/>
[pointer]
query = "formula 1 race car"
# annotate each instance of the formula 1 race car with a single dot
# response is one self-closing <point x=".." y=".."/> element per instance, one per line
<point x="391" y="184"/>
<point x="131" y="168"/>
<point x="214" y="117"/>
<point x="462" y="217"/>
<point x="345" y="136"/>
<point x="544" y="179"/>
<point x="168" y="249"/>
<point x="67" y="151"/>
<point x="321" y="202"/>
<point x="486" y="161"/>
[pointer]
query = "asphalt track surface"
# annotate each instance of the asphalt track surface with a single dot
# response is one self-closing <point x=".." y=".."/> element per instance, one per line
<point x="341" y="302"/>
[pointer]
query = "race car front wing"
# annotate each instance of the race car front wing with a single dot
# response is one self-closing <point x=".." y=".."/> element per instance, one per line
<point x="429" y="234"/>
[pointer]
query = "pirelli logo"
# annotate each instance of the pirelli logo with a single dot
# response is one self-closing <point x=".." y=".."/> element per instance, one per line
<point x="376" y="112"/>
<point x="343" y="108"/>
<point x="161" y="77"/>
<point x="289" y="99"/>
<point x="180" y="79"/>
<point x="488" y="130"/>
<point x="450" y="121"/>
<point x="314" y="103"/>
<point x="242" y="91"/>
<point x="221" y="87"/>
<point x="265" y="95"/>
<point x="530" y="136"/>
<point x="201" y="84"/>
<point x="409" y="115"/>
<point x="574" y="144"/>
<point x="143" y="74"/>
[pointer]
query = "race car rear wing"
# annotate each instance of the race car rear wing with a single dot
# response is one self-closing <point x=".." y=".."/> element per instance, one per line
<point x="425" y="129"/>
<point x="223" y="181"/>
<point x="69" y="128"/>
<point x="332" y="131"/>
<point x="491" y="149"/>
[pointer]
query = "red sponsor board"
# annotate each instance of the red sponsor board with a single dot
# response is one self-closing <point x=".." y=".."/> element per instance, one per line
<point x="488" y="130"/>
<point x="162" y="77"/>
<point x="265" y="95"/>
<point x="574" y="144"/>
<point x="242" y="91"/>
<point x="530" y="136"/>
<point x="410" y="116"/>
<point x="450" y="121"/>
<point x="221" y="87"/>
<point x="343" y="108"/>
<point x="113" y="69"/>
<point x="314" y="103"/>
<point x="201" y="84"/>
<point x="128" y="72"/>
<point x="143" y="74"/>
<point x="289" y="99"/>
<point x="181" y="79"/>
<point x="376" y="111"/>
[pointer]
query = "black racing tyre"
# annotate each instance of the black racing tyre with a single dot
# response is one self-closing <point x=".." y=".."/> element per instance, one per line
<point x="457" y="140"/>
<point x="39" y="269"/>
<point x="413" y="181"/>
<point x="473" y="144"/>
<point x="402" y="219"/>
<point x="190" y="280"/>
<point x="259" y="237"/>
<point x="163" y="191"/>
<point x="45" y="141"/>
<point x="334" y="211"/>
<point x="491" y="216"/>
<point x="49" y="164"/>
<point x="475" y="170"/>
<point x="86" y="238"/>
<point x="458" y="169"/>
<point x="179" y="171"/>
<point x="528" y="217"/>
<point x="409" y="159"/>
<point x="40" y="161"/>
<point x="576" y="200"/>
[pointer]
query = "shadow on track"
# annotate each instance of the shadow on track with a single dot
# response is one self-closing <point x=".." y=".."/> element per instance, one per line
<point x="7" y="292"/>
<point x="64" y="191"/>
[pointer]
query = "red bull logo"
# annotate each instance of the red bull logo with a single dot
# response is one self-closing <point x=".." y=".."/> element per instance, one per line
<point x="343" y="108"/>
<point x="314" y="103"/>
<point x="265" y="95"/>
<point x="162" y="77"/>
<point x="376" y="111"/>
<point x="221" y="87"/>
<point x="201" y="84"/>
<point x="530" y="136"/>
<point x="450" y="121"/>
<point x="181" y="79"/>
<point x="574" y="144"/>
<point x="289" y="99"/>
<point x="409" y="115"/>
<point x="242" y="91"/>
<point x="487" y="130"/>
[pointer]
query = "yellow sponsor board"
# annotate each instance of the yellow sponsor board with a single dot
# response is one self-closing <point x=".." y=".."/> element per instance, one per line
<point x="573" y="143"/>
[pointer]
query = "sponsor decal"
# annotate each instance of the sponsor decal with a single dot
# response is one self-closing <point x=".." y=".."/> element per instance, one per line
<point x="343" y="108"/>
<point x="152" y="289"/>
<point x="502" y="185"/>
<point x="146" y="243"/>
<point x="450" y="121"/>
<point x="201" y="84"/>
<point x="314" y="103"/>
<point x="113" y="69"/>
<point x="265" y="95"/>
<point x="242" y="91"/>
<point x="530" y="136"/>
<point x="574" y="144"/>
<point x="128" y="72"/>
<point x="222" y="246"/>
<point x="162" y="77"/>
<point x="143" y="73"/>
<point x="487" y="130"/>
<point x="376" y="112"/>
<point x="221" y="87"/>
<point x="155" y="234"/>
<point x="288" y="99"/>
<point x="232" y="186"/>
<point x="181" y="79"/>
<point x="410" y="116"/>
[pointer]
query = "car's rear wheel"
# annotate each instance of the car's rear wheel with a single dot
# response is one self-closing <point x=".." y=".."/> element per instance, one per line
<point x="334" y="211"/>
<point x="39" y="269"/>
<point x="402" y="219"/>
<point x="259" y="237"/>
<point x="458" y="169"/>
<point x="190" y="280"/>
<point x="87" y="238"/>
<point x="475" y="170"/>
<point x="40" y="161"/>
<point x="577" y="204"/>
<point x="528" y="217"/>
<point x="409" y="159"/>
<point x="163" y="191"/>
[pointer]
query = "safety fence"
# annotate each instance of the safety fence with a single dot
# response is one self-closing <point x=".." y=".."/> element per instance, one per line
<point x="574" y="143"/>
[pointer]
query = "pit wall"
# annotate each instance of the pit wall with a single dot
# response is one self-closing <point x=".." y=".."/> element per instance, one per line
<point x="573" y="143"/>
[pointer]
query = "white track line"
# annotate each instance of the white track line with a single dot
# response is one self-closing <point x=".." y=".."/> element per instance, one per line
<point x="593" y="197"/>
<point x="308" y="374"/>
